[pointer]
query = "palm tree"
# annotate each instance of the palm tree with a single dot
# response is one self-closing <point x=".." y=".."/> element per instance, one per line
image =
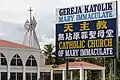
<point x="48" y="51"/>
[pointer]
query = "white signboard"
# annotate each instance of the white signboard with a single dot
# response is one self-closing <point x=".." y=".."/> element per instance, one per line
<point x="86" y="12"/>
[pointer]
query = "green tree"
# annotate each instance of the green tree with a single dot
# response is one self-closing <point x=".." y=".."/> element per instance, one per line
<point x="48" y="51"/>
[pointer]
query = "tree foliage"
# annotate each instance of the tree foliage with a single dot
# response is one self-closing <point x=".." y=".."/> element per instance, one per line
<point x="48" y="51"/>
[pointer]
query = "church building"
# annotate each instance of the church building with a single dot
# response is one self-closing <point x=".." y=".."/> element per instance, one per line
<point x="19" y="62"/>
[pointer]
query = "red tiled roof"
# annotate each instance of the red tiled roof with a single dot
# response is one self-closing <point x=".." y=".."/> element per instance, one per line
<point x="12" y="44"/>
<point x="78" y="64"/>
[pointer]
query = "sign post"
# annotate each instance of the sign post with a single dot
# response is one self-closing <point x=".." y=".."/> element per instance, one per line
<point x="114" y="68"/>
<point x="67" y="65"/>
<point x="87" y="31"/>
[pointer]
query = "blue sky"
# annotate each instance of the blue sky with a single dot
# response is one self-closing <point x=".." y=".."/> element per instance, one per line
<point x="13" y="14"/>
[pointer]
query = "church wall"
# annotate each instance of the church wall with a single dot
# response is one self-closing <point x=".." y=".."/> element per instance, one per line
<point x="24" y="54"/>
<point x="9" y="52"/>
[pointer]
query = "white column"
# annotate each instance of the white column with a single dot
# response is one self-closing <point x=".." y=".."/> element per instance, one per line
<point x="63" y="75"/>
<point x="8" y="70"/>
<point x="71" y="75"/>
<point x="51" y="74"/>
<point x="85" y="74"/>
<point x="23" y="72"/>
<point x="81" y="74"/>
<point x="103" y="74"/>
<point x="38" y="73"/>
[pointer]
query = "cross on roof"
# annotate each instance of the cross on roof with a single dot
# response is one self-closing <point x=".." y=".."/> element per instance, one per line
<point x="30" y="12"/>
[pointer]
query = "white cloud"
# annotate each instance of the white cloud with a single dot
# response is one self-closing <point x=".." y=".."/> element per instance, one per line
<point x="46" y="40"/>
<point x="11" y="31"/>
<point x="1" y="34"/>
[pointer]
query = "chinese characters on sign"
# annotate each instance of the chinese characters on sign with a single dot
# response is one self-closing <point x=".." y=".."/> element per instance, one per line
<point x="87" y="38"/>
